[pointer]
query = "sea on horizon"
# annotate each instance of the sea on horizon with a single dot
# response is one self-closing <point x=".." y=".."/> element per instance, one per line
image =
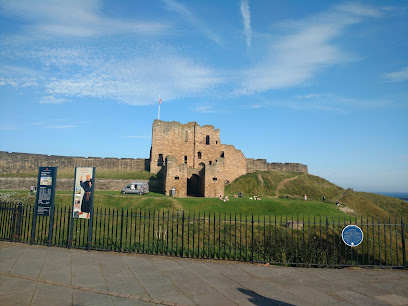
<point x="399" y="195"/>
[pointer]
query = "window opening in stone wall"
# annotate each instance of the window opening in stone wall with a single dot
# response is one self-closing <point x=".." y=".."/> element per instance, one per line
<point x="199" y="155"/>
<point x="207" y="139"/>
<point x="176" y="178"/>
<point x="216" y="142"/>
<point x="222" y="154"/>
<point x="160" y="160"/>
<point x="185" y="159"/>
<point x="214" y="179"/>
<point x="210" y="162"/>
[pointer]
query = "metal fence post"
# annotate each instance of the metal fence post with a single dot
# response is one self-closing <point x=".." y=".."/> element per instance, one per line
<point x="18" y="219"/>
<point x="252" y="239"/>
<point x="182" y="235"/>
<point x="404" y="263"/>
<point x="121" y="233"/>
<point x="33" y="227"/>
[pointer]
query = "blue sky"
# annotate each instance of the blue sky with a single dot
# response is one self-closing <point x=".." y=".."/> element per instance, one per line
<point x="323" y="83"/>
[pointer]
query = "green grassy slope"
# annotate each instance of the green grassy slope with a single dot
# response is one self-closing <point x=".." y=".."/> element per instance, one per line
<point x="295" y="185"/>
<point x="281" y="193"/>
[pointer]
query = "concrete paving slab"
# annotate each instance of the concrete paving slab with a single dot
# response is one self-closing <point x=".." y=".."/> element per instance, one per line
<point x="89" y="298"/>
<point x="177" y="299"/>
<point x="132" y="287"/>
<point x="262" y="288"/>
<point x="193" y="286"/>
<point x="119" y="301"/>
<point x="211" y="299"/>
<point x="240" y="295"/>
<point x="71" y="277"/>
<point x="161" y="290"/>
<point x="16" y="285"/>
<point x="218" y="280"/>
<point x="29" y="263"/>
<point x="392" y="299"/>
<point x="46" y="294"/>
<point x="356" y="298"/>
<point x="313" y="295"/>
<point x="370" y="290"/>
<point x="16" y="299"/>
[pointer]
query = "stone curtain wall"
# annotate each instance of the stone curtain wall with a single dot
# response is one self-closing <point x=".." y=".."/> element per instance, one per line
<point x="262" y="165"/>
<point x="26" y="162"/>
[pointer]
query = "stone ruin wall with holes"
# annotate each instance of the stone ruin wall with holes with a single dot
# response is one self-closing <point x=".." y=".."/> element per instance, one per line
<point x="192" y="158"/>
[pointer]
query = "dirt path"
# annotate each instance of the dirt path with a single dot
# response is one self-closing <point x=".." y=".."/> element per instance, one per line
<point x="283" y="183"/>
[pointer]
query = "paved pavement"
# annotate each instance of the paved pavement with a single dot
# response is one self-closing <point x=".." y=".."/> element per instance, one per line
<point x="39" y="275"/>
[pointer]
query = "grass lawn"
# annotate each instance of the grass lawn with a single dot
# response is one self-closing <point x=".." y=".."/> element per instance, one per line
<point x="155" y="201"/>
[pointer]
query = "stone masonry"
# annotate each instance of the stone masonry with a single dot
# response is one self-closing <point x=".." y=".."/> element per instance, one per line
<point x="25" y="162"/>
<point x="193" y="160"/>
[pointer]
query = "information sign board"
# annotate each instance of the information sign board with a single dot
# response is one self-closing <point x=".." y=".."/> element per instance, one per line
<point x="47" y="179"/>
<point x="352" y="235"/>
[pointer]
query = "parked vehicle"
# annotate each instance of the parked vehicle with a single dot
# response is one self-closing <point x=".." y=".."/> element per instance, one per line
<point x="136" y="187"/>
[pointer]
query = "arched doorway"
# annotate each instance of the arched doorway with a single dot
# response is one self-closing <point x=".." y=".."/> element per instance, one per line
<point x="194" y="188"/>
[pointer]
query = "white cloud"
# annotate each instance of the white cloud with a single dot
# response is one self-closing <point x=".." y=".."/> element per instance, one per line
<point x="306" y="49"/>
<point x="359" y="10"/>
<point x="397" y="76"/>
<point x="52" y="100"/>
<point x="332" y="102"/>
<point x="326" y="102"/>
<point x="246" y="16"/>
<point x="138" y="81"/>
<point x="206" y="109"/>
<point x="186" y="14"/>
<point x="74" y="18"/>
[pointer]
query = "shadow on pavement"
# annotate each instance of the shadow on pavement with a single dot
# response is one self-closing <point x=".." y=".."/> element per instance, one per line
<point x="260" y="300"/>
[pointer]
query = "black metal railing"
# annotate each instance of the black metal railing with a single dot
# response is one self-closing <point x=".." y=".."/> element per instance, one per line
<point x="288" y="240"/>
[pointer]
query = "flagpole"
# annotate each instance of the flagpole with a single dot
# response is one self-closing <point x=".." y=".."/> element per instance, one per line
<point x="158" y="115"/>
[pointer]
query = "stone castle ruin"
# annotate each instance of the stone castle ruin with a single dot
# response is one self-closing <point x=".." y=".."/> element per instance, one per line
<point x="194" y="162"/>
<point x="190" y="158"/>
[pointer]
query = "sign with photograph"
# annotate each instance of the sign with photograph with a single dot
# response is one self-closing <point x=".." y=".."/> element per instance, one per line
<point x="84" y="183"/>
<point x="47" y="180"/>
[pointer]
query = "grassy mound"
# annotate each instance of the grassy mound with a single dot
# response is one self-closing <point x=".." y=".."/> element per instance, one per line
<point x="314" y="187"/>
<point x="371" y="204"/>
<point x="260" y="183"/>
<point x="295" y="185"/>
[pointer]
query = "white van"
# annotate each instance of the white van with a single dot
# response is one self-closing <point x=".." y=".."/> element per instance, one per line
<point x="136" y="187"/>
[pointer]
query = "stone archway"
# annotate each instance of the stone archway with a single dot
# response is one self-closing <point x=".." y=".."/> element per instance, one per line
<point x="194" y="186"/>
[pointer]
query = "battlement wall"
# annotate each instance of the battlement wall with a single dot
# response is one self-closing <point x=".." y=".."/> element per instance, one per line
<point x="262" y="165"/>
<point x="25" y="162"/>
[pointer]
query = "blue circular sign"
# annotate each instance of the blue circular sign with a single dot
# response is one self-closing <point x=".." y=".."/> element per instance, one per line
<point x="352" y="235"/>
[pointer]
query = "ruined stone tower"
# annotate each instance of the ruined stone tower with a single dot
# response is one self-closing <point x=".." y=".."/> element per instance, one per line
<point x="192" y="159"/>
